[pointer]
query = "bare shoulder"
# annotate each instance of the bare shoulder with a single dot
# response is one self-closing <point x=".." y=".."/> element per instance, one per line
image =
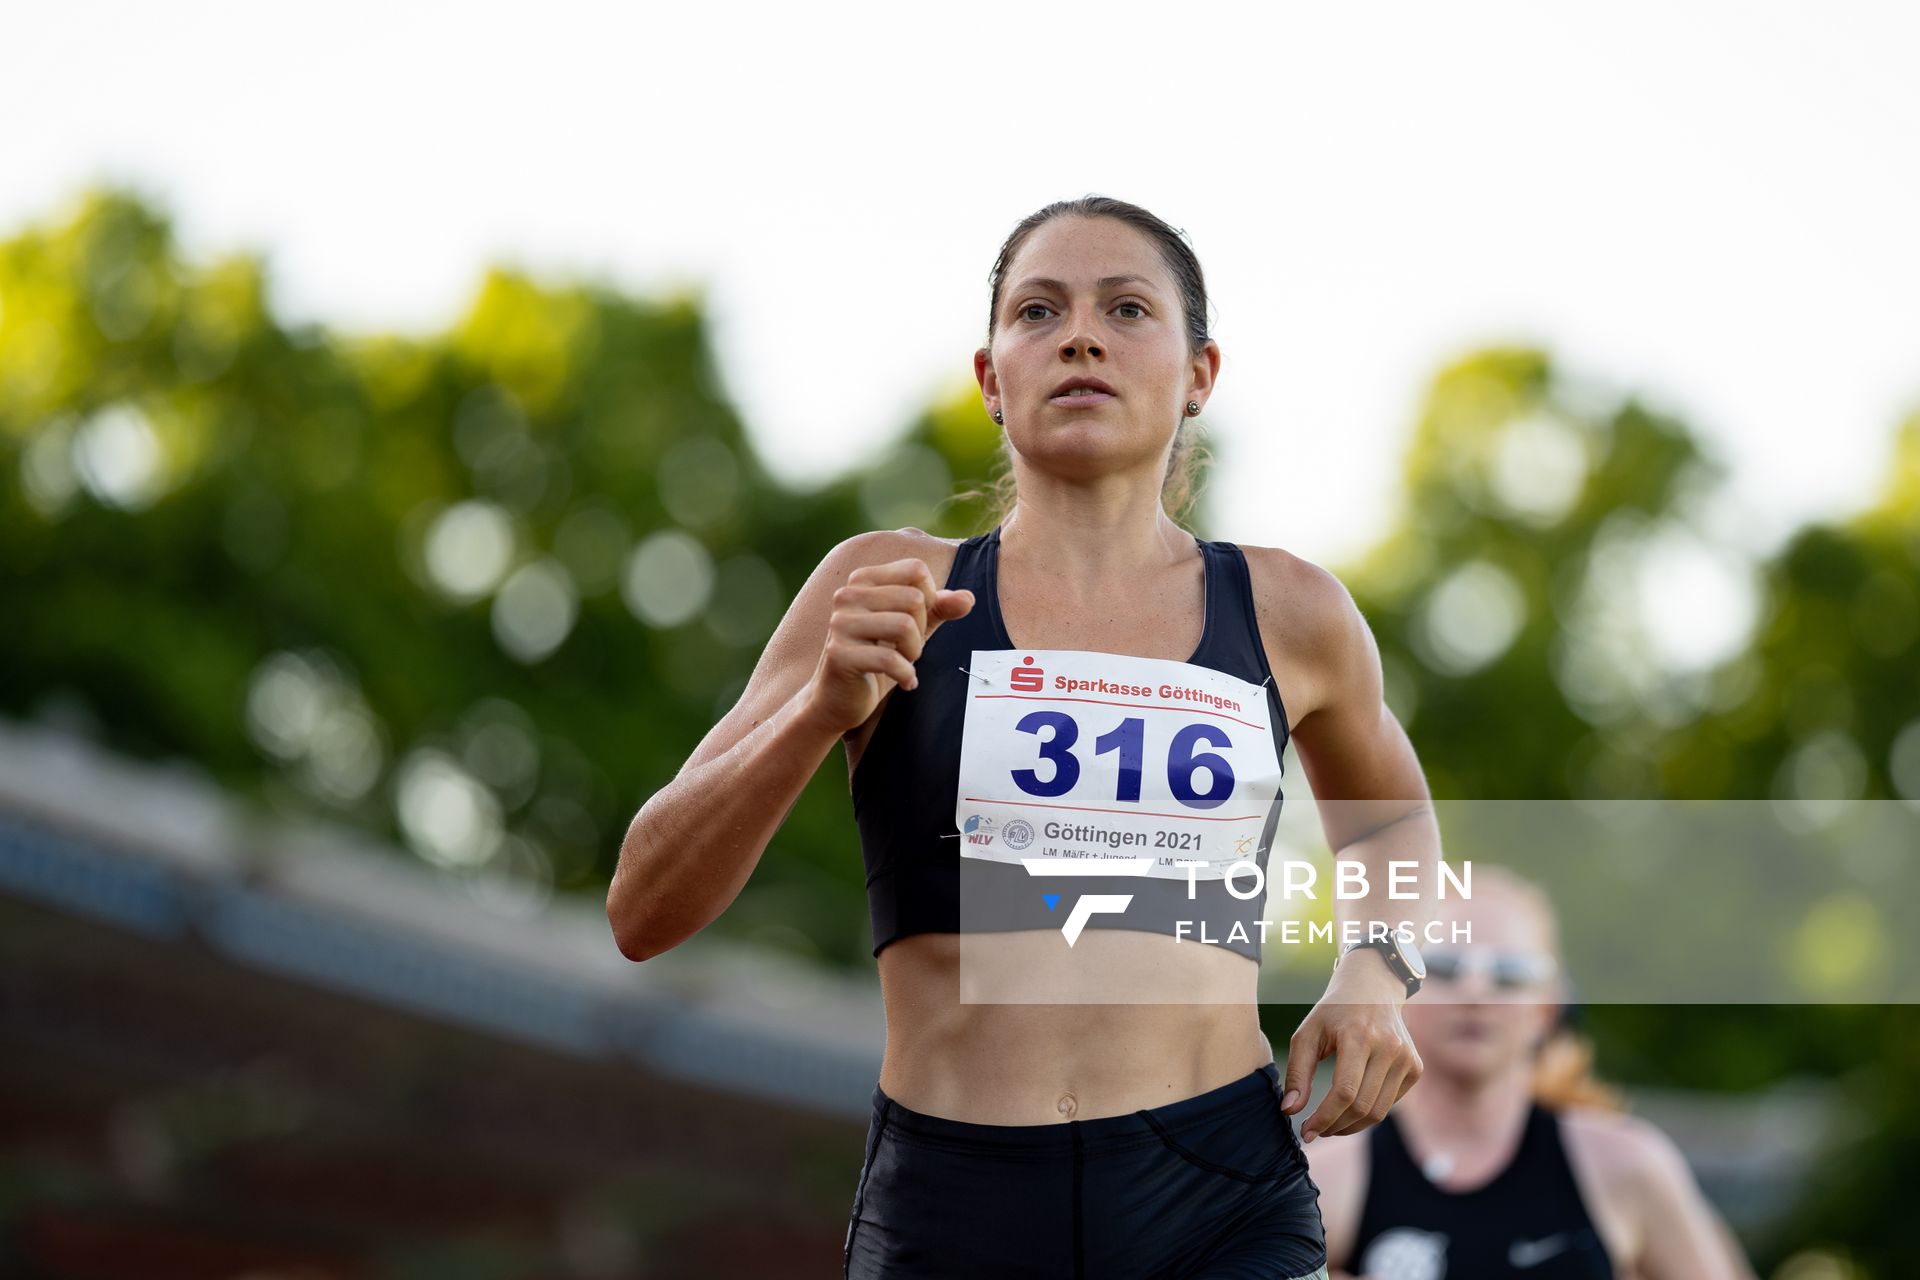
<point x="1298" y="597"/>
<point x="884" y="546"/>
<point x="1623" y="1151"/>
<point x="1613" y="1135"/>
<point x="1636" y="1182"/>
<point x="1314" y="634"/>
<point x="811" y="607"/>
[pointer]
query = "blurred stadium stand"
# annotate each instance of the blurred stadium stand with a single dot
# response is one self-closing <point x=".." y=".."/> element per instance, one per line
<point x="235" y="1051"/>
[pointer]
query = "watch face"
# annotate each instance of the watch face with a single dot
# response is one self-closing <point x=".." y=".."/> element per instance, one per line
<point x="1416" y="964"/>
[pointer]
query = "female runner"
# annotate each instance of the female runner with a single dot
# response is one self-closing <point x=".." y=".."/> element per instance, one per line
<point x="1510" y="1162"/>
<point x="1106" y="1137"/>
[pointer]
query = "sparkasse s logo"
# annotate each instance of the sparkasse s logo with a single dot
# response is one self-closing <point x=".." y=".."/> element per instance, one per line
<point x="1027" y="678"/>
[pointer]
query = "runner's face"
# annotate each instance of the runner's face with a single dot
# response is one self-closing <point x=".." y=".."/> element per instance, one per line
<point x="1471" y="1026"/>
<point x="1057" y="320"/>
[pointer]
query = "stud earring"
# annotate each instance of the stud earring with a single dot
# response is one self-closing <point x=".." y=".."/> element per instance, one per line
<point x="1193" y="408"/>
<point x="999" y="418"/>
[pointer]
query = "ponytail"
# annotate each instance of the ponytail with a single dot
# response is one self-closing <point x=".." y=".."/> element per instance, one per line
<point x="1563" y="1067"/>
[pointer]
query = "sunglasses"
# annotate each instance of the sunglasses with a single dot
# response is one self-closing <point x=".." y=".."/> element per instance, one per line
<point x="1506" y="970"/>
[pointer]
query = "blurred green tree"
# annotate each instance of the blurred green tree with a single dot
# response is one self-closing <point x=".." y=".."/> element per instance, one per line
<point x="481" y="591"/>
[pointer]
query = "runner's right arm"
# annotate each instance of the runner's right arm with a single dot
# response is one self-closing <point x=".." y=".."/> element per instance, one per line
<point x="849" y="637"/>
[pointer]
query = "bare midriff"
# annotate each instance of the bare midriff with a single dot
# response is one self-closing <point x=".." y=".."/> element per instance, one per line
<point x="1017" y="1063"/>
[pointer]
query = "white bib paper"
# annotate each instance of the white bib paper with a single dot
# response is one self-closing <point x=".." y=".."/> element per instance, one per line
<point x="1139" y="762"/>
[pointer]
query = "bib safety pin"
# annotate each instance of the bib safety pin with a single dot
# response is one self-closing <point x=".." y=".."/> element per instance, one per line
<point x="977" y="676"/>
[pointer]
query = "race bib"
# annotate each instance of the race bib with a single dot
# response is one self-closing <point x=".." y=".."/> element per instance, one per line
<point x="1141" y="762"/>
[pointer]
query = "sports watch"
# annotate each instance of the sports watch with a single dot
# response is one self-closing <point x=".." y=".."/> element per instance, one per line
<point x="1401" y="955"/>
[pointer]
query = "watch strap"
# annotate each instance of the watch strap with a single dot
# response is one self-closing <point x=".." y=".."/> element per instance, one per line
<point x="1388" y="952"/>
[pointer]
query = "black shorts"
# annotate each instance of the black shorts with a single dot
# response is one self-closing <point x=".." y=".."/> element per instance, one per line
<point x="1213" y="1186"/>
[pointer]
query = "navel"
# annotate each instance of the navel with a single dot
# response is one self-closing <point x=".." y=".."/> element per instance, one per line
<point x="1068" y="1104"/>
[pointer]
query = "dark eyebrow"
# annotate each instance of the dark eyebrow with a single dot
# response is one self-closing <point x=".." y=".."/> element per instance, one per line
<point x="1104" y="282"/>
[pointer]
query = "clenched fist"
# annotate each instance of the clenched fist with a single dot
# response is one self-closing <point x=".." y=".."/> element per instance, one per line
<point x="881" y="620"/>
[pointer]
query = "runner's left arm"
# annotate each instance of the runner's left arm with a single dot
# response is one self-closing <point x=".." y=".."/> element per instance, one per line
<point x="1374" y="809"/>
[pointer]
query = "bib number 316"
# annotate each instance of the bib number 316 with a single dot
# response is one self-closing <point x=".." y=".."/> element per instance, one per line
<point x="1186" y="758"/>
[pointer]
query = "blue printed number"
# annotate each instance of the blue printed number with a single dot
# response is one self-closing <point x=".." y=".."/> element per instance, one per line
<point x="1058" y="749"/>
<point x="1182" y="760"/>
<point x="1129" y="739"/>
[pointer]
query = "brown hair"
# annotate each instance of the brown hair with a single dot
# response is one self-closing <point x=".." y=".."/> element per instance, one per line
<point x="1563" y="1061"/>
<point x="1187" y="459"/>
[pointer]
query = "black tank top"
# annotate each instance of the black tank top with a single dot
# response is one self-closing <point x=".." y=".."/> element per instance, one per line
<point x="905" y="786"/>
<point x="1528" y="1223"/>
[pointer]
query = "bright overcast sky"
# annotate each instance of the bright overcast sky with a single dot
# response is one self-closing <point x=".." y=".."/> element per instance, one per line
<point x="1712" y="204"/>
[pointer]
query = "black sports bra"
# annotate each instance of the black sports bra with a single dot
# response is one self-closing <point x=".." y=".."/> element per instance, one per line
<point x="1528" y="1222"/>
<point x="905" y="786"/>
